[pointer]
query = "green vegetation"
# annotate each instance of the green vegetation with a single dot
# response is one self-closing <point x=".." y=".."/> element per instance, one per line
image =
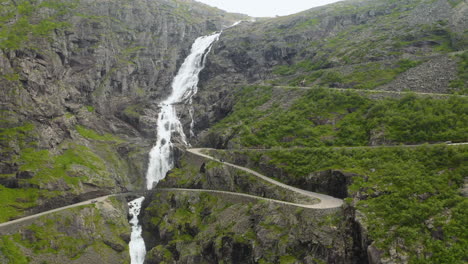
<point x="333" y="118"/>
<point x="408" y="194"/>
<point x="15" y="200"/>
<point x="288" y="260"/>
<point x="49" y="168"/>
<point x="460" y="85"/>
<point x="183" y="218"/>
<point x="133" y="111"/>
<point x="91" y="134"/>
<point x="196" y="223"/>
<point x="367" y="76"/>
<point x="12" y="252"/>
<point x="438" y="36"/>
<point x="23" y="20"/>
<point x="454" y="3"/>
<point x="10" y="132"/>
<point x="74" y="165"/>
<point x="52" y="234"/>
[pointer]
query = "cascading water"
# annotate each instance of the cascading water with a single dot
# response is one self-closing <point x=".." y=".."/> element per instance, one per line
<point x="137" y="244"/>
<point x="184" y="87"/>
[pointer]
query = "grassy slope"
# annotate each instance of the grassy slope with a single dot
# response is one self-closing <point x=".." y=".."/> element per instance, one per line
<point x="54" y="238"/>
<point x="91" y="158"/>
<point x="410" y="197"/>
<point x="332" y="118"/>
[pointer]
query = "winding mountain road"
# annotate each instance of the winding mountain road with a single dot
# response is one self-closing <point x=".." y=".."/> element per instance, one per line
<point x="326" y="201"/>
<point x="369" y="91"/>
<point x="91" y="201"/>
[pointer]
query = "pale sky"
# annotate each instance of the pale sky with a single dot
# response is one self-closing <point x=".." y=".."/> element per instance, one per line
<point x="266" y="8"/>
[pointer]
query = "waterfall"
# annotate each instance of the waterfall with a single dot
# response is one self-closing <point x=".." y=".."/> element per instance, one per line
<point x="137" y="244"/>
<point x="184" y="87"/>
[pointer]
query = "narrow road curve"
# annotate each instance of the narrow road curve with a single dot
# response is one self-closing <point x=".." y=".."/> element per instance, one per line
<point x="367" y="91"/>
<point x="91" y="201"/>
<point x="326" y="201"/>
<point x="357" y="147"/>
<point x="244" y="195"/>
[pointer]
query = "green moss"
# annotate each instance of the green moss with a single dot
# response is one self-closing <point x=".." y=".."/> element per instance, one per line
<point x="213" y="164"/>
<point x="370" y="75"/>
<point x="460" y="84"/>
<point x="288" y="259"/>
<point x="16" y="201"/>
<point x="133" y="111"/>
<point x="284" y="70"/>
<point x="90" y="109"/>
<point x="17" y="132"/>
<point x="91" y="134"/>
<point x="48" y="168"/>
<point x="24" y="20"/>
<point x="12" y="252"/>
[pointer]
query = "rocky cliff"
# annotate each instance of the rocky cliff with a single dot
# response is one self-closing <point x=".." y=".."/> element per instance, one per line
<point x="369" y="45"/>
<point x="79" y="106"/>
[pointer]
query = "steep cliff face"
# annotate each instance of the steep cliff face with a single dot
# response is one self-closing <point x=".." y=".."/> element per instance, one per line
<point x="212" y="228"/>
<point x="398" y="45"/>
<point x="79" y="107"/>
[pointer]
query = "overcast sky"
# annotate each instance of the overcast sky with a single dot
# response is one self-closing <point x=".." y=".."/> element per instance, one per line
<point x="266" y="8"/>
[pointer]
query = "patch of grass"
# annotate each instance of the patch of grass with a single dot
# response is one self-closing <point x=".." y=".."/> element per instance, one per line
<point x="91" y="134"/>
<point x="22" y="21"/>
<point x="369" y="76"/>
<point x="49" y="168"/>
<point x="12" y="252"/>
<point x="132" y="111"/>
<point x="16" y="132"/>
<point x="288" y="259"/>
<point x="460" y="85"/>
<point x="90" y="109"/>
<point x="16" y="201"/>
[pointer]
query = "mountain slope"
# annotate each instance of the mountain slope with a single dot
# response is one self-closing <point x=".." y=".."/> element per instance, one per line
<point x="80" y="83"/>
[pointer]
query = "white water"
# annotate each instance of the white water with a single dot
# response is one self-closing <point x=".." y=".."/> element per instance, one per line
<point x="184" y="87"/>
<point x="137" y="244"/>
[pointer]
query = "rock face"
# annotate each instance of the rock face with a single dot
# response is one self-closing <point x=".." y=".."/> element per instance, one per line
<point x="80" y="107"/>
<point x="212" y="228"/>
<point x="237" y="229"/>
<point x="331" y="45"/>
<point x="331" y="182"/>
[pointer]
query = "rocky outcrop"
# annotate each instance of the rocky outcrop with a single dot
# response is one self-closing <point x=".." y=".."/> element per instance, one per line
<point x="331" y="182"/>
<point x="207" y="174"/>
<point x="209" y="228"/>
